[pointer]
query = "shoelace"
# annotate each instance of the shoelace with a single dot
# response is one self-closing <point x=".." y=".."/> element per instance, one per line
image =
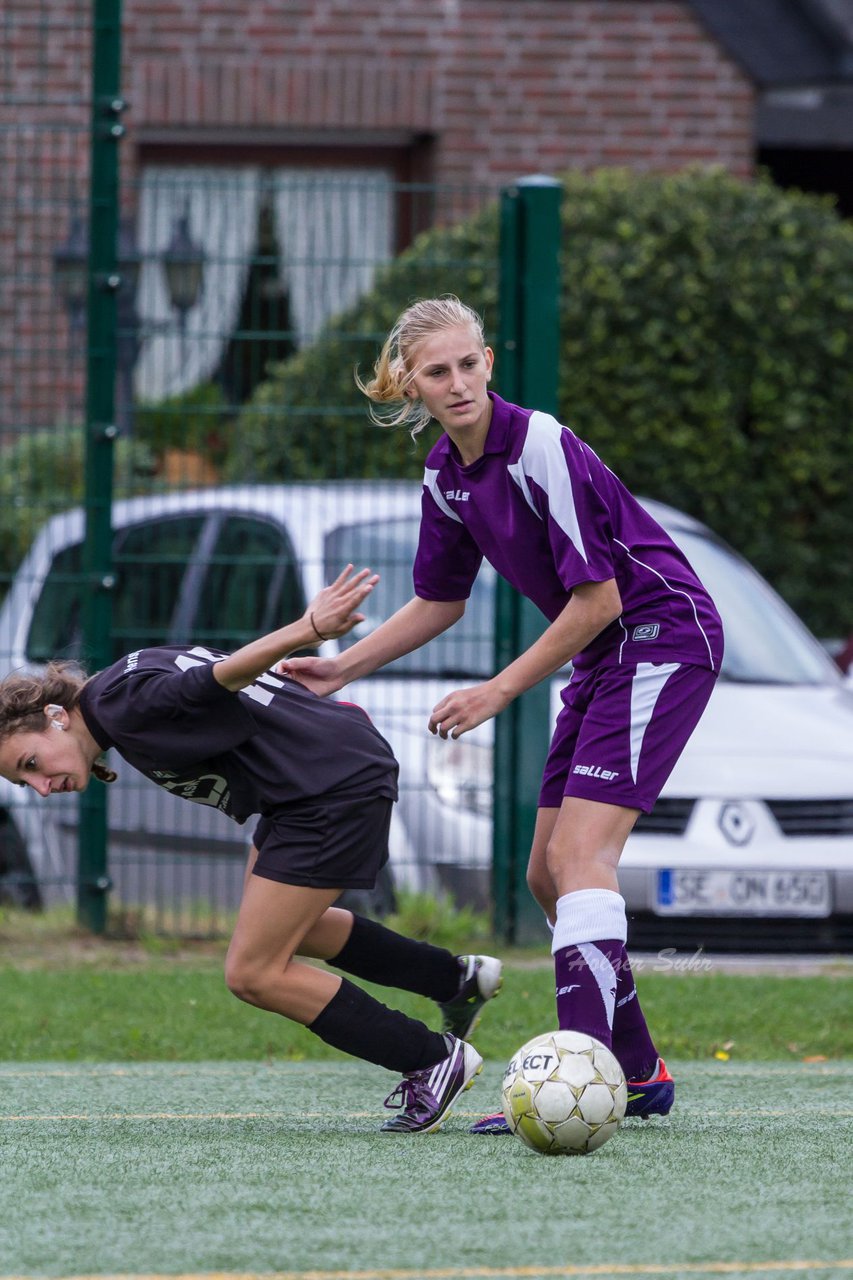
<point x="408" y="1092"/>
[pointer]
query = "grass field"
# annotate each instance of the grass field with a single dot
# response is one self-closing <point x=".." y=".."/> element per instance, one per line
<point x="179" y="1011"/>
<point x="150" y="1125"/>
<point x="253" y="1168"/>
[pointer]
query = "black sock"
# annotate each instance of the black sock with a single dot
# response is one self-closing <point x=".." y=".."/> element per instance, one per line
<point x="379" y="955"/>
<point x="358" y="1024"/>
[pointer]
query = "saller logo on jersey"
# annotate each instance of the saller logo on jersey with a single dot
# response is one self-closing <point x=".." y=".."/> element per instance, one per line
<point x="457" y="495"/>
<point x="646" y="631"/>
<point x="596" y="771"/>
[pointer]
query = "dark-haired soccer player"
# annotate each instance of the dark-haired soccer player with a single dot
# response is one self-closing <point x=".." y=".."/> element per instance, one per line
<point x="225" y="730"/>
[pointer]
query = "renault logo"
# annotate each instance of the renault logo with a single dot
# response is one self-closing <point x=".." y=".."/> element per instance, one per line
<point x="735" y="823"/>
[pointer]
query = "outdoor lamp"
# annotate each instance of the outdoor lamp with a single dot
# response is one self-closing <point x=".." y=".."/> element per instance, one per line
<point x="183" y="263"/>
<point x="70" y="266"/>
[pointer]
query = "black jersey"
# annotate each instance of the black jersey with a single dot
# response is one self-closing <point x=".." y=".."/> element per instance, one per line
<point x="272" y="744"/>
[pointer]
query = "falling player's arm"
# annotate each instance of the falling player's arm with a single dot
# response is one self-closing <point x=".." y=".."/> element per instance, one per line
<point x="332" y="613"/>
<point x="412" y="626"/>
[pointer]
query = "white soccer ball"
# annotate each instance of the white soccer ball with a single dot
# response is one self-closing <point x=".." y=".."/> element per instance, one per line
<point x="564" y="1093"/>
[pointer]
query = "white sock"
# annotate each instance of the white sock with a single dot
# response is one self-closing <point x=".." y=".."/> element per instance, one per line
<point x="588" y="915"/>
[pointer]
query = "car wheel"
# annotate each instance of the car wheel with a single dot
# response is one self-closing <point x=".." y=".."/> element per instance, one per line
<point x="378" y="902"/>
<point x="18" y="887"/>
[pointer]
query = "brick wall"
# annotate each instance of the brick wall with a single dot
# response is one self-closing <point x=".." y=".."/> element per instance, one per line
<point x="44" y="116"/>
<point x="500" y="87"/>
<point x="505" y="86"/>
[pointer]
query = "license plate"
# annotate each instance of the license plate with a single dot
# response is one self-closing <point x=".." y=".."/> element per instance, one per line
<point x="742" y="893"/>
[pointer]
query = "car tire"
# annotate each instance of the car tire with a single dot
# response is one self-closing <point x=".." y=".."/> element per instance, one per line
<point x="378" y="902"/>
<point x="18" y="886"/>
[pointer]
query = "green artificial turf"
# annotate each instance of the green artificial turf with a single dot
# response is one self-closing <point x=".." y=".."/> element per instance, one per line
<point x="252" y="1168"/>
<point x="151" y="1125"/>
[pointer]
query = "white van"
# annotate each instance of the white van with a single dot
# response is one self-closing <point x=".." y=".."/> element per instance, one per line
<point x="755" y="826"/>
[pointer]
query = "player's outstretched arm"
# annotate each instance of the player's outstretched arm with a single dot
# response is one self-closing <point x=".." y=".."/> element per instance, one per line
<point x="414" y="625"/>
<point x="333" y="612"/>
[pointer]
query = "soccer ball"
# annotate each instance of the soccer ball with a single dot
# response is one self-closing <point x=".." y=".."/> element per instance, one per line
<point x="564" y="1093"/>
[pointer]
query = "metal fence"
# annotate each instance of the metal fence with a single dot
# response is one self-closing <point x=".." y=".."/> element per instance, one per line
<point x="187" y="459"/>
<point x="44" y="152"/>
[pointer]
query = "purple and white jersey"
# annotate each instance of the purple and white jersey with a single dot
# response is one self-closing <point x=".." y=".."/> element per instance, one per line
<point x="274" y="743"/>
<point x="544" y="510"/>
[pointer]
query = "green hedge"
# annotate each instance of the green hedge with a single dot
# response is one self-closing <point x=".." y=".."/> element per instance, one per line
<point x="196" y="421"/>
<point x="706" y="354"/>
<point x="43" y="474"/>
<point x="308" y="420"/>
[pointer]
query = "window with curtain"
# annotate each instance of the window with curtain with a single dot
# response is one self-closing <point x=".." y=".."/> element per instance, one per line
<point x="314" y="235"/>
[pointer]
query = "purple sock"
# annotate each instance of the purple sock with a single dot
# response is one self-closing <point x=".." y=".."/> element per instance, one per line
<point x="587" y="975"/>
<point x="632" y="1043"/>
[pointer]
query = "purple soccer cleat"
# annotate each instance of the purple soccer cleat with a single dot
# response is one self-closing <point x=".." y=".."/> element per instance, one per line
<point x="495" y="1124"/>
<point x="652" y="1097"/>
<point x="425" y="1098"/>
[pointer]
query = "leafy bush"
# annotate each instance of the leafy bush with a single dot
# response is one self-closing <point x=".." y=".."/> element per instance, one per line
<point x="706" y="354"/>
<point x="707" y="348"/>
<point x="439" y="920"/>
<point x="42" y="474"/>
<point x="193" y="421"/>
<point x="308" y="420"/>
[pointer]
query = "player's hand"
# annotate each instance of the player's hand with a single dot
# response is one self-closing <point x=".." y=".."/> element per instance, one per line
<point x="320" y="675"/>
<point x="333" y="611"/>
<point x="464" y="709"/>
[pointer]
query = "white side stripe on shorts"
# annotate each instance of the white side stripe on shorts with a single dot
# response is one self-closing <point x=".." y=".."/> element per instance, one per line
<point x="646" y="687"/>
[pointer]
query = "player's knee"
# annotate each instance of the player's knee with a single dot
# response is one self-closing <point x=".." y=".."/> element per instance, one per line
<point x="582" y="867"/>
<point x="243" y="980"/>
<point x="563" y="862"/>
<point x="541" y="886"/>
<point x="556" y="860"/>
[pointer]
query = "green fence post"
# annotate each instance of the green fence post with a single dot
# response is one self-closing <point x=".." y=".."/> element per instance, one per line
<point x="104" y="282"/>
<point x="527" y="374"/>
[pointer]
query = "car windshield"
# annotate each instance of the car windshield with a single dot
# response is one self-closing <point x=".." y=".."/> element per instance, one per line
<point x="765" y="642"/>
<point x="388" y="547"/>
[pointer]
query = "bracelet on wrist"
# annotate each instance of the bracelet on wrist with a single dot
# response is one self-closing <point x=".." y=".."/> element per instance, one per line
<point x="317" y="630"/>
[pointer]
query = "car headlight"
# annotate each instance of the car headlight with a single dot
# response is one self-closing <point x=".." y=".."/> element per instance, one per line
<point x="460" y="773"/>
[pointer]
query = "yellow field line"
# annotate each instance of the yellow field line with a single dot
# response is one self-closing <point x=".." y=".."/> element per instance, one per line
<point x="143" y="1070"/>
<point x="200" y="1115"/>
<point x="504" y="1273"/>
<point x="827" y="1110"/>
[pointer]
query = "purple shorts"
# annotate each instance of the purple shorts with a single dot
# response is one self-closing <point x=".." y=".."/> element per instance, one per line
<point x="621" y="731"/>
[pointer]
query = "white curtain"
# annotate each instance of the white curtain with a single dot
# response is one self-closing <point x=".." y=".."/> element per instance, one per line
<point x="222" y="209"/>
<point x="334" y="227"/>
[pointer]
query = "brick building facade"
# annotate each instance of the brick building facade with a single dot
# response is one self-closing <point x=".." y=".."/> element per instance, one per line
<point x="463" y="94"/>
<point x="466" y="90"/>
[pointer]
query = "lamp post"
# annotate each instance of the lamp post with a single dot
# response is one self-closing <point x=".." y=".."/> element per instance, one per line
<point x="69" y="271"/>
<point x="183" y="266"/>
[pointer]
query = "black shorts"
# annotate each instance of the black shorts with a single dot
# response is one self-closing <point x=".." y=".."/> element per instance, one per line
<point x="326" y="844"/>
